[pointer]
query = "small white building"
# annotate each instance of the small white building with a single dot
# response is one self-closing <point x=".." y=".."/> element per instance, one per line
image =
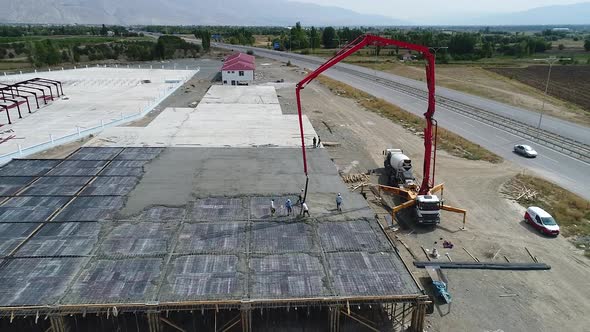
<point x="238" y="69"/>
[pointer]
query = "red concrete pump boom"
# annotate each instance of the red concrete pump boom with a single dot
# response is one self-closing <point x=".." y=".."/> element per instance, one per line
<point x="429" y="134"/>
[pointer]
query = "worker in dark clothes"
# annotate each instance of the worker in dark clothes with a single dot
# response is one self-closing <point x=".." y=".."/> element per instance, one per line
<point x="319" y="141"/>
<point x="314" y="141"/>
<point x="300" y="198"/>
<point x="339" y="202"/>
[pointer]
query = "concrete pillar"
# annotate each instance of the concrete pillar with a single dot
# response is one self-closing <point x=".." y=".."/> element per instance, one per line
<point x="154" y="323"/>
<point x="59" y="324"/>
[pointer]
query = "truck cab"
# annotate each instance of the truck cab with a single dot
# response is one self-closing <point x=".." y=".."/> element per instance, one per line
<point x="428" y="209"/>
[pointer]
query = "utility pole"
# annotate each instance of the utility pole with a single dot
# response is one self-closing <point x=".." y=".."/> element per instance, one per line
<point x="436" y="49"/>
<point x="550" y="61"/>
<point x="289" y="38"/>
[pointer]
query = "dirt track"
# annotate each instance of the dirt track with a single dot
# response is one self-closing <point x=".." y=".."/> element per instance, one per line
<point x="555" y="300"/>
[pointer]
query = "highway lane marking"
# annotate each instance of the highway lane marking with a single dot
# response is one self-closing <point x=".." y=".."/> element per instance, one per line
<point x="553" y="160"/>
<point x="365" y="80"/>
<point x="502" y="137"/>
<point x="469" y="124"/>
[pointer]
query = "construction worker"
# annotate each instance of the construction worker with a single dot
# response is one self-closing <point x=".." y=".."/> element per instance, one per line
<point x="339" y="202"/>
<point x="314" y="141"/>
<point x="319" y="141"/>
<point x="288" y="206"/>
<point x="272" y="208"/>
<point x="300" y="197"/>
<point x="305" y="209"/>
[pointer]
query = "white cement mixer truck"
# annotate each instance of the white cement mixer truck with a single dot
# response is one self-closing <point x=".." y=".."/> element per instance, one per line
<point x="400" y="174"/>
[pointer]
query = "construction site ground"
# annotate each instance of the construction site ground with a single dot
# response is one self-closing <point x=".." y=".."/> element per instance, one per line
<point x="176" y="210"/>
<point x="555" y="300"/>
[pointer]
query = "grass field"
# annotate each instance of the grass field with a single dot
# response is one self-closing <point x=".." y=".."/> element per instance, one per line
<point x="448" y="141"/>
<point x="571" y="83"/>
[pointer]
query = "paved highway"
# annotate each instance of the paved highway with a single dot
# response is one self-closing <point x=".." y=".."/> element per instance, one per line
<point x="564" y="168"/>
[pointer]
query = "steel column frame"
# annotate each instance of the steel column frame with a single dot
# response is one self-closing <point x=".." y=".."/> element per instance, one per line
<point x="24" y="91"/>
<point x="57" y="84"/>
<point x="18" y="85"/>
<point x="39" y="84"/>
<point x="7" y="114"/>
<point x="12" y="94"/>
<point x="16" y="102"/>
<point x="352" y="47"/>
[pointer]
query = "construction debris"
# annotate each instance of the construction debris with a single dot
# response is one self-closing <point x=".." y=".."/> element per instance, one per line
<point x="355" y="178"/>
<point x="518" y="190"/>
<point x="474" y="258"/>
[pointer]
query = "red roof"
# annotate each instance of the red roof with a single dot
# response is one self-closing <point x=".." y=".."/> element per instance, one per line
<point x="242" y="56"/>
<point x="239" y="61"/>
<point x="238" y="64"/>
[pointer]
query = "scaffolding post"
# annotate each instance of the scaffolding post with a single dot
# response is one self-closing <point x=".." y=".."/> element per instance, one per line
<point x="246" y="312"/>
<point x="334" y="319"/>
<point x="59" y="324"/>
<point x="418" y="314"/>
<point x="154" y="323"/>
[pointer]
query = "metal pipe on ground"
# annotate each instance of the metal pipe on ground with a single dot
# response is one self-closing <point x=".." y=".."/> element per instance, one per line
<point x="485" y="265"/>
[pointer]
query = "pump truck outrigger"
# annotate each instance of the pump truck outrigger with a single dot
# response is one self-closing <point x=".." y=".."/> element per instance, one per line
<point x="427" y="204"/>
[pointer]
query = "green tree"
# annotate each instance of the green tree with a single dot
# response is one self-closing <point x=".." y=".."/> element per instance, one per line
<point x="587" y="45"/>
<point x="104" y="31"/>
<point x="298" y="37"/>
<point x="561" y="47"/>
<point x="205" y="37"/>
<point x="487" y="50"/>
<point x="329" y="37"/>
<point x="314" y="38"/>
<point x="462" y="44"/>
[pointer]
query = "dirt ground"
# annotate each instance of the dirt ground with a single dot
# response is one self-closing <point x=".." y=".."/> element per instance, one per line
<point x="555" y="300"/>
<point x="484" y="83"/>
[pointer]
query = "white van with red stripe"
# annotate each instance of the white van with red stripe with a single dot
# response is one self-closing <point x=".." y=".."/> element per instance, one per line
<point x="541" y="220"/>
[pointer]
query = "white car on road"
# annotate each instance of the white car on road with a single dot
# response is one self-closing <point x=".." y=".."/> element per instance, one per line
<point x="525" y="150"/>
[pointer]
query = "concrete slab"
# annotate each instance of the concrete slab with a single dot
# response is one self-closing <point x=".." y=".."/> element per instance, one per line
<point x="95" y="97"/>
<point x="195" y="227"/>
<point x="254" y="94"/>
<point x="179" y="175"/>
<point x="248" y="116"/>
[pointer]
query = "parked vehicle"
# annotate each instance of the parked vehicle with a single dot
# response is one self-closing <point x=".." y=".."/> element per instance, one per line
<point x="541" y="220"/>
<point x="525" y="150"/>
<point x="399" y="168"/>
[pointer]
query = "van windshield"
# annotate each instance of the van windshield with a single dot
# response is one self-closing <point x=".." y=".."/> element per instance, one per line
<point x="548" y="221"/>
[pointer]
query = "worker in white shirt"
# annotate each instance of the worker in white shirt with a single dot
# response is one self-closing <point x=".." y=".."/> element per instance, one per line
<point x="272" y="208"/>
<point x="305" y="209"/>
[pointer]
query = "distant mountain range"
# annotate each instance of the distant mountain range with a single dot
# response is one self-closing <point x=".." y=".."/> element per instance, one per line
<point x="550" y="15"/>
<point x="252" y="12"/>
<point x="183" y="12"/>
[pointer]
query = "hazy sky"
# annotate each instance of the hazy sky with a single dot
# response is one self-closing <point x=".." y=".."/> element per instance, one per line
<point x="433" y="9"/>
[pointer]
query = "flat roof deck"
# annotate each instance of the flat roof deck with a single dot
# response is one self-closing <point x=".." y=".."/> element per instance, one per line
<point x="156" y="227"/>
<point x="96" y="97"/>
